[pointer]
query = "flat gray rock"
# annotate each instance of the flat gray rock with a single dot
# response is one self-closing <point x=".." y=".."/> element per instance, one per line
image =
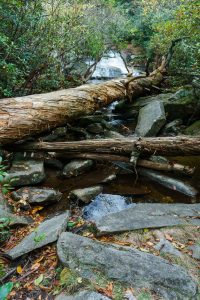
<point x="35" y="195"/>
<point x="151" y="119"/>
<point x="148" y="215"/>
<point x="14" y="219"/>
<point x="169" y="182"/>
<point x="87" y="194"/>
<point x="77" y="167"/>
<point x="83" y="295"/>
<point x="103" y="205"/>
<point x="124" y="264"/>
<point x="165" y="246"/>
<point x="26" y="172"/>
<point x="47" y="232"/>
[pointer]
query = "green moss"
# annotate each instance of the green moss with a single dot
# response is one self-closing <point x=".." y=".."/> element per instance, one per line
<point x="193" y="129"/>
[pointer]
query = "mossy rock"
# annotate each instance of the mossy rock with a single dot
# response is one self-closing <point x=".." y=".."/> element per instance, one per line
<point x="193" y="129"/>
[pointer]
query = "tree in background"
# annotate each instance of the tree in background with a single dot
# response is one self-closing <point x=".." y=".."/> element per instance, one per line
<point x="41" y="42"/>
<point x="157" y="23"/>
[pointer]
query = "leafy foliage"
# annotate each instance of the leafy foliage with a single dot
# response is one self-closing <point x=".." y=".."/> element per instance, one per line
<point x="157" y="23"/>
<point x="41" y="42"/>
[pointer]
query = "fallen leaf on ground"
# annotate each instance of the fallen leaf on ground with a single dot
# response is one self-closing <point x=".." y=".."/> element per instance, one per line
<point x="107" y="291"/>
<point x="39" y="280"/>
<point x="168" y="237"/>
<point x="19" y="270"/>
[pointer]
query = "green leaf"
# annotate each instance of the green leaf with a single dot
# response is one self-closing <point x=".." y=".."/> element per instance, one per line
<point x="38" y="280"/>
<point x="71" y="224"/>
<point x="5" y="290"/>
<point x="4" y="190"/>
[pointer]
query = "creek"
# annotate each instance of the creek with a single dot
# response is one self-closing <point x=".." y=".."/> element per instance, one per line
<point x="140" y="190"/>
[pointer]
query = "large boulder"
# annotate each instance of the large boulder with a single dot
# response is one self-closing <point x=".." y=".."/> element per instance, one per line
<point x="148" y="215"/>
<point x="47" y="232"/>
<point x="126" y="265"/>
<point x="77" y="167"/>
<point x="35" y="195"/>
<point x="179" y="105"/>
<point x="151" y="119"/>
<point x="26" y="172"/>
<point x="83" y="295"/>
<point x="103" y="205"/>
<point x="87" y="194"/>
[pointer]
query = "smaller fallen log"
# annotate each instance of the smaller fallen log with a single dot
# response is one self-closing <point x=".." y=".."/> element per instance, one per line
<point x="168" y="167"/>
<point x="168" y="146"/>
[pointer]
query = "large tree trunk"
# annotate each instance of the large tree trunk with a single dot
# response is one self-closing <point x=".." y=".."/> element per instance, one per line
<point x="30" y="115"/>
<point x="169" y="146"/>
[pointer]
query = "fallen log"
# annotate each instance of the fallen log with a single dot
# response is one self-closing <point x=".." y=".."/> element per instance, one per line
<point x="168" y="146"/>
<point x="26" y="116"/>
<point x="168" y="167"/>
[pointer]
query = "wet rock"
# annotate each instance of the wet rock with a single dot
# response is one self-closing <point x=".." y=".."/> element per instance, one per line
<point x="124" y="264"/>
<point x="172" y="128"/>
<point x="53" y="163"/>
<point x="159" y="159"/>
<point x="193" y="129"/>
<point x="83" y="295"/>
<point x="105" y="204"/>
<point x="113" y="134"/>
<point x="47" y="232"/>
<point x="148" y="215"/>
<point x="195" y="250"/>
<point x="26" y="172"/>
<point x="110" y="66"/>
<point x="12" y="218"/>
<point x="165" y="246"/>
<point x="109" y="179"/>
<point x="87" y="194"/>
<point x="35" y="195"/>
<point x="87" y="120"/>
<point x="95" y="128"/>
<point x="169" y="182"/>
<point x="151" y="119"/>
<point x="77" y="167"/>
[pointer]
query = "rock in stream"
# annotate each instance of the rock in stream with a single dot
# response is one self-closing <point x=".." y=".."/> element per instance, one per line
<point x="26" y="172"/>
<point x="151" y="119"/>
<point x="124" y="264"/>
<point x="105" y="204"/>
<point x="35" y="195"/>
<point x="87" y="194"/>
<point x="169" y="182"/>
<point x="77" y="167"/>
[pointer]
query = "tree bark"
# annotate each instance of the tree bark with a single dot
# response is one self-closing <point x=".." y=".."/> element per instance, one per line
<point x="26" y="116"/>
<point x="169" y="146"/>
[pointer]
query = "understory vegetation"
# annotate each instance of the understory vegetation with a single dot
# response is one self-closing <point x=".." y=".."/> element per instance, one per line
<point x="155" y="24"/>
<point x="44" y="45"/>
